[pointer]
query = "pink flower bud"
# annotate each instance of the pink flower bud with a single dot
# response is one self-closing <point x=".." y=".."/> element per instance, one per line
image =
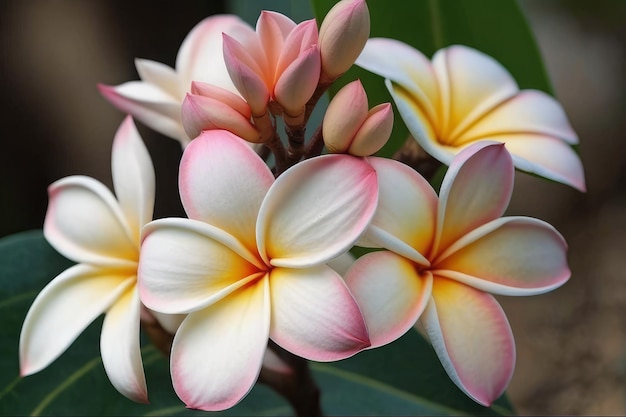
<point x="223" y="95"/>
<point x="374" y="131"/>
<point x="205" y="113"/>
<point x="342" y="36"/>
<point x="298" y="82"/>
<point x="345" y="114"/>
<point x="247" y="76"/>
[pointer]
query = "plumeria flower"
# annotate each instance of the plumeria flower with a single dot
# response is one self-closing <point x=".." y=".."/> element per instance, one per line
<point x="157" y="99"/>
<point x="250" y="264"/>
<point x="444" y="256"/>
<point x="464" y="96"/>
<point x="88" y="225"/>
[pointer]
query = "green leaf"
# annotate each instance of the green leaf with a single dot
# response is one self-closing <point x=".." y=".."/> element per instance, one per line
<point x="402" y="378"/>
<point x="76" y="384"/>
<point x="496" y="27"/>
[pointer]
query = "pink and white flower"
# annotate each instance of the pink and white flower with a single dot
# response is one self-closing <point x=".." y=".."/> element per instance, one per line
<point x="463" y="96"/>
<point x="250" y="264"/>
<point x="156" y="100"/>
<point x="444" y="256"/>
<point x="88" y="225"/>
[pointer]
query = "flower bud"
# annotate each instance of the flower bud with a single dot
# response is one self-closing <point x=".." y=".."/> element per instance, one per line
<point x="342" y="36"/>
<point x="205" y="113"/>
<point x="223" y="95"/>
<point x="374" y="132"/>
<point x="345" y="114"/>
<point x="297" y="83"/>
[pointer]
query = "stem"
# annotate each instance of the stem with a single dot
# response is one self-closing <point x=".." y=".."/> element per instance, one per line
<point x="414" y="156"/>
<point x="316" y="144"/>
<point x="298" y="388"/>
<point x="280" y="155"/>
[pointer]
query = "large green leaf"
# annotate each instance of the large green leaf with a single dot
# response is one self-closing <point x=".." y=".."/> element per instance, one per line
<point x="404" y="378"/>
<point x="496" y="27"/>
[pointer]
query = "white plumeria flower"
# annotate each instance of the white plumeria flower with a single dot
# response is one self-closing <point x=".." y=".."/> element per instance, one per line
<point x="446" y="255"/>
<point x="157" y="99"/>
<point x="249" y="264"/>
<point x="464" y="96"/>
<point x="88" y="225"/>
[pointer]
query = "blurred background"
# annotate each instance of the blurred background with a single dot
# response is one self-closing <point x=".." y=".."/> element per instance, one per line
<point x="571" y="343"/>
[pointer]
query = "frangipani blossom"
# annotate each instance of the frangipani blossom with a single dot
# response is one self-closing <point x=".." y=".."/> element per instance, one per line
<point x="444" y="258"/>
<point x="88" y="225"/>
<point x="464" y="96"/>
<point x="250" y="264"/>
<point x="157" y="99"/>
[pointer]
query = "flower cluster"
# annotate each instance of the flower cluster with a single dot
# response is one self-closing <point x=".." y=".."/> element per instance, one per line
<point x="255" y="259"/>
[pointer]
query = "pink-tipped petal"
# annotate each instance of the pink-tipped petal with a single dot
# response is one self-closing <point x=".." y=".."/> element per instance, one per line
<point x="63" y="309"/>
<point x="186" y="265"/>
<point x="223" y="182"/>
<point x="546" y="156"/>
<point x="405" y="218"/>
<point x="85" y="223"/>
<point x="159" y="75"/>
<point x="374" y="132"/>
<point x="471" y="84"/>
<point x="408" y="68"/>
<point x="150" y="105"/>
<point x="301" y="38"/>
<point x="314" y="315"/>
<point x="343" y="34"/>
<point x="509" y="256"/>
<point x="529" y="111"/>
<point x="119" y="347"/>
<point x="390" y="292"/>
<point x="272" y="29"/>
<point x="345" y="114"/>
<point x="472" y="339"/>
<point x="217" y="352"/>
<point x="297" y="83"/>
<point x="202" y="49"/>
<point x="225" y="96"/>
<point x="250" y="79"/>
<point x="316" y="210"/>
<point x="476" y="189"/>
<point x="205" y="113"/>
<point x="133" y="176"/>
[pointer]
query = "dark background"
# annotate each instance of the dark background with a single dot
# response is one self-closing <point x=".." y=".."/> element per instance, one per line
<point x="571" y="351"/>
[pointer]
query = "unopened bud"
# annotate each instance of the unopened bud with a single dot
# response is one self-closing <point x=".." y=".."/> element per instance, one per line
<point x="342" y="36"/>
<point x="345" y="114"/>
<point x="374" y="132"/>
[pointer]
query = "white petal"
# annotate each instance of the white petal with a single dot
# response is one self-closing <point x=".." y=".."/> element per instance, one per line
<point x="186" y="265"/>
<point x="200" y="57"/>
<point x="217" y="352"/>
<point x="476" y="189"/>
<point x="529" y="111"/>
<point x="314" y="315"/>
<point x="390" y="292"/>
<point x="472" y="339"/>
<point x="63" y="309"/>
<point x="471" y="84"/>
<point x="150" y="105"/>
<point x="406" y="212"/>
<point x="222" y="182"/>
<point x="133" y="177"/>
<point x="316" y="210"/>
<point x="405" y="66"/>
<point x="509" y="256"/>
<point x="85" y="223"/>
<point x="159" y="75"/>
<point x="119" y="347"/>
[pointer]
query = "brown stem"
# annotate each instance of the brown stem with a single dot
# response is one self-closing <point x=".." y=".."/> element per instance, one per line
<point x="315" y="145"/>
<point x="414" y="156"/>
<point x="298" y="387"/>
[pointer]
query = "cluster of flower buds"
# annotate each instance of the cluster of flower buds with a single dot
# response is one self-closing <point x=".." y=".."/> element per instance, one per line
<point x="256" y="259"/>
